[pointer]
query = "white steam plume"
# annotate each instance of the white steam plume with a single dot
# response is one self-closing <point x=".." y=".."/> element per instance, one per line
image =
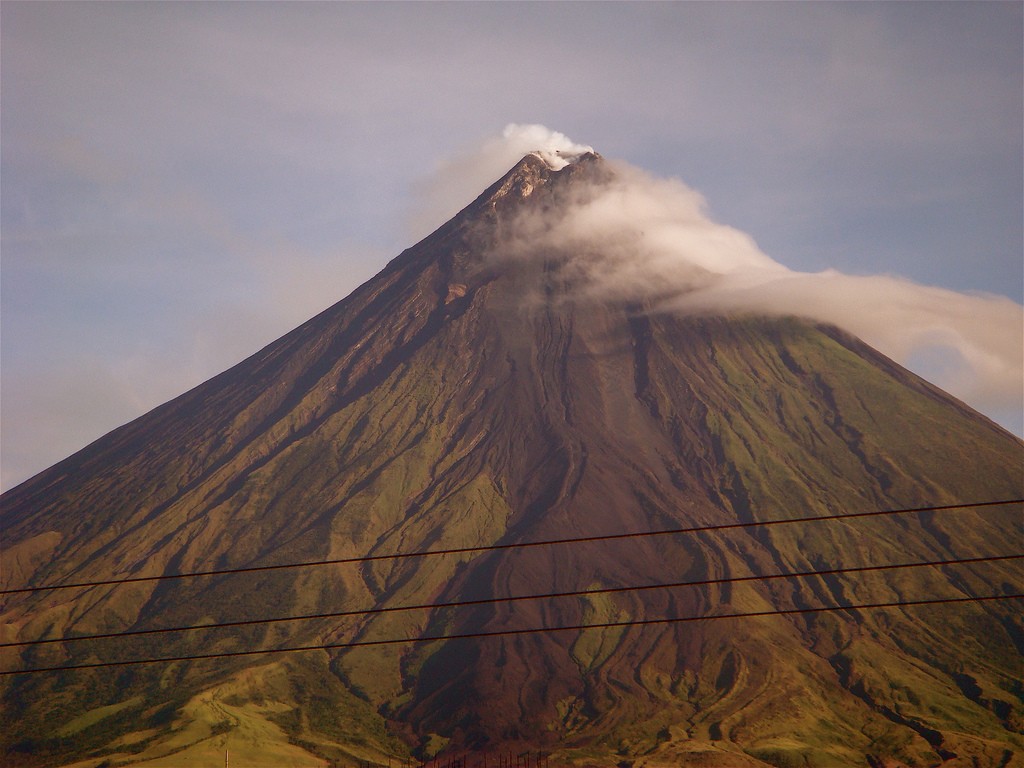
<point x="556" y="149"/>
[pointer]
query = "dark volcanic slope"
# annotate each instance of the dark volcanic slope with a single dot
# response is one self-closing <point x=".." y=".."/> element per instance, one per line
<point x="456" y="400"/>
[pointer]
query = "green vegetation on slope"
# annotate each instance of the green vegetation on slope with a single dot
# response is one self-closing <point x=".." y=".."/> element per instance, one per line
<point x="414" y="417"/>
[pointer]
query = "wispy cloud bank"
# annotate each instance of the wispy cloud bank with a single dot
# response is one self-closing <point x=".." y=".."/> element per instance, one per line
<point x="642" y="238"/>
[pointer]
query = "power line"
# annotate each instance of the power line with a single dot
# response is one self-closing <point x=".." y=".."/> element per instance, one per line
<point x="514" y="598"/>
<point x="512" y="545"/>
<point x="508" y="632"/>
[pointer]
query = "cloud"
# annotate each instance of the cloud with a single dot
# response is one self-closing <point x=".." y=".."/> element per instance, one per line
<point x="639" y="238"/>
<point x="634" y="236"/>
<point x="971" y="345"/>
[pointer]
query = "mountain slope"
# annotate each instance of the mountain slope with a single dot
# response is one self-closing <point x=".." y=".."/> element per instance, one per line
<point x="461" y="399"/>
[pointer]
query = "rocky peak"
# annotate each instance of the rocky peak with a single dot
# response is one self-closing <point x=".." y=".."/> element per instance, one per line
<point x="542" y="169"/>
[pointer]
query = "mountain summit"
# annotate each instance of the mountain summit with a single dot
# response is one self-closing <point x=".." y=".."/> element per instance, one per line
<point x="476" y="398"/>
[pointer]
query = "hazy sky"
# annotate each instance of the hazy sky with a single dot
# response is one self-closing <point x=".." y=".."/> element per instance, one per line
<point x="183" y="183"/>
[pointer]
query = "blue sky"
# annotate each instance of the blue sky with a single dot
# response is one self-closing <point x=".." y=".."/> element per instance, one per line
<point x="182" y="183"/>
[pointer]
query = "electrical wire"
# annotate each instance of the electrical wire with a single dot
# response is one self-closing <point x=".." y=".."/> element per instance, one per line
<point x="511" y="632"/>
<point x="513" y="545"/>
<point x="514" y="598"/>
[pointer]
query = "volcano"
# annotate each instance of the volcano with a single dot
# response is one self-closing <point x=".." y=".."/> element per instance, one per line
<point x="843" y="585"/>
